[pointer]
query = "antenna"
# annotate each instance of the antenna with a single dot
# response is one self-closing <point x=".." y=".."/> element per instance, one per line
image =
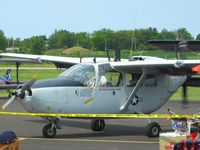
<point x="13" y="42"/>
<point x="141" y="53"/>
<point x="131" y="52"/>
<point x="8" y="42"/>
<point x="133" y="36"/>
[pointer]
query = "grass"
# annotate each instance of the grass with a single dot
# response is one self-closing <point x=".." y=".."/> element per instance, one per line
<point x="193" y="93"/>
<point x="24" y="75"/>
<point x="12" y="65"/>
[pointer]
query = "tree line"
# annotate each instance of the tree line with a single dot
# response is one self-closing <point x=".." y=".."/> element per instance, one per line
<point x="98" y="40"/>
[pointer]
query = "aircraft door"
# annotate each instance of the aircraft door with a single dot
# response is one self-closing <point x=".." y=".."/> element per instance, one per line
<point x="109" y="88"/>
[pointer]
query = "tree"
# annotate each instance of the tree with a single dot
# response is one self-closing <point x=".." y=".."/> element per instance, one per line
<point x="123" y="39"/>
<point x="143" y="35"/>
<point x="38" y="44"/>
<point x="83" y="39"/>
<point x="61" y="39"/>
<point x="198" y="37"/>
<point x="167" y="35"/>
<point x="3" y="41"/>
<point x="17" y="42"/>
<point x="102" y="38"/>
<point x="34" y="45"/>
<point x="183" y="34"/>
<point x="146" y="34"/>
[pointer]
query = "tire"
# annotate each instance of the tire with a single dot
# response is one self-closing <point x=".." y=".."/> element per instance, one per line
<point x="48" y="132"/>
<point x="153" y="129"/>
<point x="97" y="125"/>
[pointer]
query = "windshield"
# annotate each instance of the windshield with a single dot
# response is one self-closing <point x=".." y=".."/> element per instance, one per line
<point x="80" y="73"/>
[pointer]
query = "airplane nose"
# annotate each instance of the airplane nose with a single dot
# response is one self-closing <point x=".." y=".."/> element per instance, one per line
<point x="27" y="99"/>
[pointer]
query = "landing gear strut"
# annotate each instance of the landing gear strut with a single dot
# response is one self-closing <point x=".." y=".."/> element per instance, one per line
<point x="97" y="125"/>
<point x="153" y="129"/>
<point x="49" y="130"/>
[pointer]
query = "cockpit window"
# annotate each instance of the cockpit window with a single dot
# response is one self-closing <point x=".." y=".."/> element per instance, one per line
<point x="80" y="73"/>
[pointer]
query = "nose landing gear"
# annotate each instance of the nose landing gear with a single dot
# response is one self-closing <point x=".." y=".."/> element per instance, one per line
<point x="49" y="130"/>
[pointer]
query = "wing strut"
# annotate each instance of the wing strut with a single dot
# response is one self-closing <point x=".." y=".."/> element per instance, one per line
<point x="125" y="106"/>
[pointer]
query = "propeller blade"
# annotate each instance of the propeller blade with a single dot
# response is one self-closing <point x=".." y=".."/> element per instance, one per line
<point x="27" y="85"/>
<point x="8" y="102"/>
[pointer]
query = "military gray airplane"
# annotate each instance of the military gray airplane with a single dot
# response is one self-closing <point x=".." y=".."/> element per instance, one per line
<point x="139" y="85"/>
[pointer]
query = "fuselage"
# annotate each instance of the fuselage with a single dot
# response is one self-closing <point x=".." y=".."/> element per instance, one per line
<point x="78" y="90"/>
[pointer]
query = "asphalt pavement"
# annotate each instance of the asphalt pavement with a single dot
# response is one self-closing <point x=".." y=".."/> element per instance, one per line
<point x="119" y="134"/>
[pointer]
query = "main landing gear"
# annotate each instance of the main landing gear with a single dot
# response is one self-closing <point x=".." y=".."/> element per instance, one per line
<point x="153" y="129"/>
<point x="97" y="124"/>
<point x="49" y="130"/>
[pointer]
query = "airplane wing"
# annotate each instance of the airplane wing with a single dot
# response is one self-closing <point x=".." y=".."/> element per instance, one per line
<point x="17" y="60"/>
<point x="172" y="45"/>
<point x="60" y="62"/>
<point x="161" y="65"/>
<point x="9" y="86"/>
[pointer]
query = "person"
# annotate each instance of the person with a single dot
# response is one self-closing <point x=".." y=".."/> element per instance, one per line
<point x="91" y="83"/>
<point x="102" y="81"/>
<point x="6" y="78"/>
<point x="7" y="75"/>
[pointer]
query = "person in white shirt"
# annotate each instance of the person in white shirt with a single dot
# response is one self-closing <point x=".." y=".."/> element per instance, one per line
<point x="102" y="81"/>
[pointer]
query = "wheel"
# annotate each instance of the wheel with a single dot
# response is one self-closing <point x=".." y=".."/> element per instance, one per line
<point x="153" y="129"/>
<point x="97" y="125"/>
<point x="48" y="131"/>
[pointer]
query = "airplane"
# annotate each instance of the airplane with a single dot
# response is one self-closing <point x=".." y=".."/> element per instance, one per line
<point x="6" y="78"/>
<point x="181" y="47"/>
<point x="140" y="85"/>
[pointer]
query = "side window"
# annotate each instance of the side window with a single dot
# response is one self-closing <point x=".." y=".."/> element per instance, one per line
<point x="132" y="79"/>
<point x="108" y="77"/>
<point x="114" y="79"/>
<point x="150" y="81"/>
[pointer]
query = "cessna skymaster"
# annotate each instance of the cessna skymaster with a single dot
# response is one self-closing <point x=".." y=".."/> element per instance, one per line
<point x="139" y="85"/>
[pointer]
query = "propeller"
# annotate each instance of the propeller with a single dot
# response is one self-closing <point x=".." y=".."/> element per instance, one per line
<point x="8" y="102"/>
<point x="19" y="92"/>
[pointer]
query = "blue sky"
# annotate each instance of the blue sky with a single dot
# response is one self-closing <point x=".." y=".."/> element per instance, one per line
<point x="25" y="18"/>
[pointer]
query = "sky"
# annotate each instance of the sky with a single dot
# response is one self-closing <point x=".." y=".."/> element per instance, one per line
<point x="26" y="18"/>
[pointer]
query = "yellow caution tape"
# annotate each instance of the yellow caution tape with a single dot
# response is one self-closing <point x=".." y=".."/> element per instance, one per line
<point x="100" y="115"/>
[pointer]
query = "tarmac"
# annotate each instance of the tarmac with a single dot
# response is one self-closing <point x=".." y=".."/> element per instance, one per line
<point x="119" y="134"/>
